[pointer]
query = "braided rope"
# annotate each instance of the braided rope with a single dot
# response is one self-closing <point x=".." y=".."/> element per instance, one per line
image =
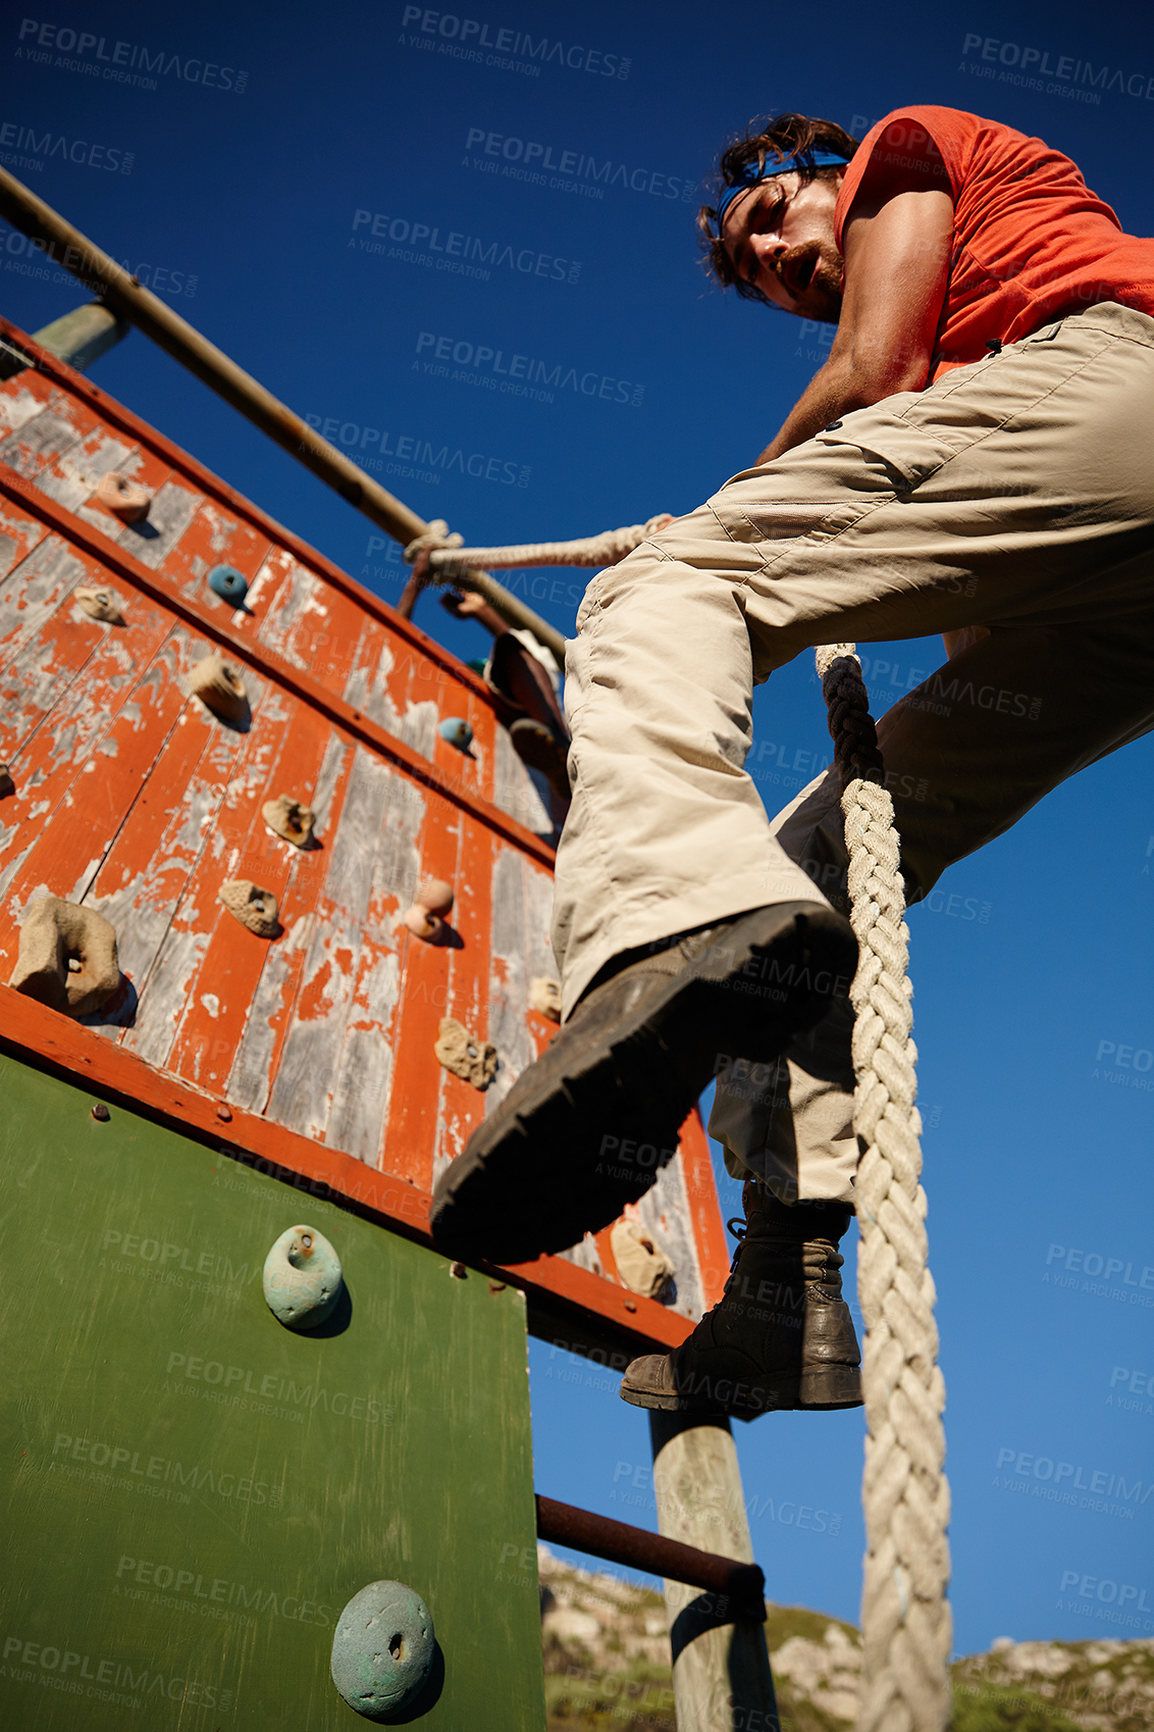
<point x="444" y="557"/>
<point x="906" y="1623"/>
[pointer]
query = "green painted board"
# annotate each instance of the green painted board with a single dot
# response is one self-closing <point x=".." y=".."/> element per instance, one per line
<point x="194" y="1492"/>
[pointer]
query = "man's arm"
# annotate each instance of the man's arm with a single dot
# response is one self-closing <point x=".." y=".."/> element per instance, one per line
<point x="897" y="259"/>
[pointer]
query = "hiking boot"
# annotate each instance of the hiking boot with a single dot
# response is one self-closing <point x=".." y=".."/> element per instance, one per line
<point x="586" y="1129"/>
<point x="781" y="1335"/>
<point x="543" y="749"/>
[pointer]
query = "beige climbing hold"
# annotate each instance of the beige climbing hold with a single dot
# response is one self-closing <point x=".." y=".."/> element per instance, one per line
<point x="545" y="997"/>
<point x="426" y="918"/>
<point x="125" y="498"/>
<point x="100" y="604"/>
<point x="67" y="958"/>
<point x="253" y="907"/>
<point x="288" y="818"/>
<point x="7" y="785"/>
<point x="641" y="1263"/>
<point x="220" y="689"/>
<point x="473" y="1060"/>
<point x="434" y="894"/>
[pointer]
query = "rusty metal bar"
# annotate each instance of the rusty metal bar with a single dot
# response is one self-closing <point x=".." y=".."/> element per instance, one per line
<point x="741" y="1585"/>
<point x="128" y="299"/>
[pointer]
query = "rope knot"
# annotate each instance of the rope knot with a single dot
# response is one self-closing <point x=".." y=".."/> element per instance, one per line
<point x="420" y="550"/>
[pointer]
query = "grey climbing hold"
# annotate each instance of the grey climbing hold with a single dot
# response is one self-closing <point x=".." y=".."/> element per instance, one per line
<point x="545" y="997"/>
<point x="253" y="907"/>
<point x="384" y="1650"/>
<point x="7" y="785"/>
<point x="457" y="731"/>
<point x="302" y="1278"/>
<point x="125" y="498"/>
<point x="220" y="689"/>
<point x="288" y="818"/>
<point x="67" y="958"/>
<point x="227" y="582"/>
<point x="101" y="604"/>
<point x="473" y="1060"/>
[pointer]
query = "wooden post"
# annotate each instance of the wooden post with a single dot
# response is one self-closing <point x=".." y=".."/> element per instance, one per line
<point x="78" y="339"/>
<point x="721" y="1674"/>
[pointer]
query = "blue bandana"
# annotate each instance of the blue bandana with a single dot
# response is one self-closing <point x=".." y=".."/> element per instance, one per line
<point x="752" y="175"/>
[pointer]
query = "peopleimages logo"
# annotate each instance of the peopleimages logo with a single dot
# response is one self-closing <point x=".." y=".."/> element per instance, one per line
<point x="539" y="160"/>
<point x="1034" y="64"/>
<point x="508" y="49"/>
<point x="122" y="62"/>
<point x="80" y="151"/>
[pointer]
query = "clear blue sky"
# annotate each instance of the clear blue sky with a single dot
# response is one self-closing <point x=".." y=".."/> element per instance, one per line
<point x="1033" y="1001"/>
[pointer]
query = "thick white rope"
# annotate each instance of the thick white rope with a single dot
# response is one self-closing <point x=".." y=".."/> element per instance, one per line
<point x="443" y="557"/>
<point x="906" y="1623"/>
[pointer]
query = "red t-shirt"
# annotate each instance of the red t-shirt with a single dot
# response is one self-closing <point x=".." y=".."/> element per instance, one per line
<point x="1030" y="240"/>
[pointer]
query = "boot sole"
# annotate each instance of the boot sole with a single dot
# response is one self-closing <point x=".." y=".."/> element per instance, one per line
<point x="548" y="1165"/>
<point x="830" y="1386"/>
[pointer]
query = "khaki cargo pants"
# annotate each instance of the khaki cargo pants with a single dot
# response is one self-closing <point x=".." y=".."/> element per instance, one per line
<point x="1011" y="504"/>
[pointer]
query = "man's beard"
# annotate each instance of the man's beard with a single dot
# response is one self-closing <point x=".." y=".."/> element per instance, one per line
<point x="822" y="296"/>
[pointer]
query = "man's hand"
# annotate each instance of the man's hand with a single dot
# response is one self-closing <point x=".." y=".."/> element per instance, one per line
<point x="897" y="260"/>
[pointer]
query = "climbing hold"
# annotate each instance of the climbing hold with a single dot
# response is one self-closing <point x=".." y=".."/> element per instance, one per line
<point x="473" y="1060"/>
<point x="125" y="498"/>
<point x="288" y="818"/>
<point x="227" y="582"/>
<point x="545" y="997"/>
<point x="384" y="1650"/>
<point x="7" y="785"/>
<point x="220" y="689"/>
<point x="302" y="1278"/>
<point x="457" y="731"/>
<point x="426" y="918"/>
<point x="641" y="1263"/>
<point x="253" y="907"/>
<point x="67" y="958"/>
<point x="100" y="604"/>
<point x="435" y="894"/>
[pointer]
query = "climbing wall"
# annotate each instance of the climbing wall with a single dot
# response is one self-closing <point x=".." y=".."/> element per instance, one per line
<point x="133" y="799"/>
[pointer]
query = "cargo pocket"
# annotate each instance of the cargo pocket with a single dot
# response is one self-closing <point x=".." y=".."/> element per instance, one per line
<point x="910" y="452"/>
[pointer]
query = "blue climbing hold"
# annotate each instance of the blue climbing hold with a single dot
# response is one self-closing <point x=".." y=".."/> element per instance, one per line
<point x="227" y="582"/>
<point x="302" y="1278"/>
<point x="383" y="1650"/>
<point x="458" y="732"/>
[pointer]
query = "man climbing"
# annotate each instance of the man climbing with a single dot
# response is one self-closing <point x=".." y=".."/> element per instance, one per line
<point x="972" y="459"/>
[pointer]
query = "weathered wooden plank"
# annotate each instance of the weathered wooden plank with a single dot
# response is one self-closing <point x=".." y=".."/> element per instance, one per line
<point x="39" y="439"/>
<point x="377" y="797"/>
<point x="214" y="537"/>
<point x="197" y="914"/>
<point x="258" y="1054"/>
<point x="283" y="754"/>
<point x="71" y="474"/>
<point x="32" y="592"/>
<point x="23" y="397"/>
<point x="173" y="508"/>
<point x="18" y="536"/>
<point x="303" y="618"/>
<point x="406" y="694"/>
<point x="39" y="673"/>
<point x="84" y="767"/>
<point x="144" y="874"/>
